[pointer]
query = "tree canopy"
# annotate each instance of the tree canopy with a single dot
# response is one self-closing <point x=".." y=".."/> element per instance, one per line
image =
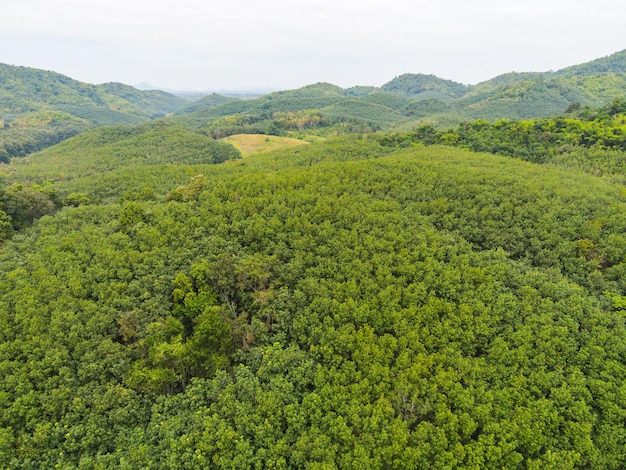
<point x="432" y="297"/>
<point x="342" y="304"/>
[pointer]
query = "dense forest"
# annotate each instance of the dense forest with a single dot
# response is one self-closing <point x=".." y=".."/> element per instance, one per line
<point x="413" y="99"/>
<point x="40" y="108"/>
<point x="434" y="297"/>
<point x="593" y="139"/>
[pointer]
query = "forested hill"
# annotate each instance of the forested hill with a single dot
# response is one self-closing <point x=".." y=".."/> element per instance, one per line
<point x="24" y="90"/>
<point x="107" y="149"/>
<point x="529" y="95"/>
<point x="343" y="304"/>
<point x="614" y="63"/>
<point x="40" y="108"/>
<point x="425" y="86"/>
<point x="592" y="139"/>
<point x="413" y="99"/>
<point x="445" y="298"/>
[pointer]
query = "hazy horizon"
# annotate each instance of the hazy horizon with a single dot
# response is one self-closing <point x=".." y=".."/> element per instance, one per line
<point x="287" y="44"/>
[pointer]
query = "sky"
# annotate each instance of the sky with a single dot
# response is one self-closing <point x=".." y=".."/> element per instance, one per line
<point x="284" y="44"/>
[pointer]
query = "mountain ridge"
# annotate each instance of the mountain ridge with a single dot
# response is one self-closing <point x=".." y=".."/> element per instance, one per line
<point x="40" y="108"/>
<point x="416" y="99"/>
<point x="29" y="95"/>
<point x="615" y="62"/>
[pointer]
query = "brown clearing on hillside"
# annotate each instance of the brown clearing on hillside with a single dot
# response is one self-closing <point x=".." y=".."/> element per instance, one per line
<point x="249" y="144"/>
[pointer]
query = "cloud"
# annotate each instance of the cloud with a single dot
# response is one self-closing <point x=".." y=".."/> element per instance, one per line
<point x="466" y="41"/>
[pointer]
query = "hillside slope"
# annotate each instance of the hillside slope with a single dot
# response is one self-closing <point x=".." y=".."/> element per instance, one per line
<point x="107" y="149"/>
<point x="425" y="87"/>
<point x="335" y="305"/>
<point x="413" y="99"/>
<point x="25" y="89"/>
<point x="528" y="95"/>
<point x="39" y="108"/>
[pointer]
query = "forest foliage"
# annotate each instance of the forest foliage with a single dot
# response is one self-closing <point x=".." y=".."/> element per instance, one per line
<point x="441" y="298"/>
<point x="592" y="139"/>
<point x="342" y="304"/>
<point x="40" y="108"/>
<point x="413" y="99"/>
<point x="106" y="149"/>
<point x="323" y="108"/>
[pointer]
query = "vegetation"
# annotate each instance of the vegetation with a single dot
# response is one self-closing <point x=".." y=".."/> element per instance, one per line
<point x="425" y="86"/>
<point x="542" y="96"/>
<point x="35" y="131"/>
<point x="427" y="299"/>
<point x="110" y="148"/>
<point x="21" y="205"/>
<point x="41" y="108"/>
<point x="414" y="99"/>
<point x="613" y="63"/>
<point x="586" y="138"/>
<point x="338" y="304"/>
<point x="26" y="90"/>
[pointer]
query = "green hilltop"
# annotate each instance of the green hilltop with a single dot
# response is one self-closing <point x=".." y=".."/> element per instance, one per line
<point x="26" y="90"/>
<point x="425" y="87"/>
<point x="40" y="108"/>
<point x="109" y="148"/>
<point x="614" y="63"/>
<point x="414" y="99"/>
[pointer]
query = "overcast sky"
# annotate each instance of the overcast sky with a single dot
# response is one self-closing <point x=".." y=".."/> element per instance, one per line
<point x="281" y="44"/>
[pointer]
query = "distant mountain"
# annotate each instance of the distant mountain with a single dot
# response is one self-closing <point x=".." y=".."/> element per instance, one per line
<point x="260" y="115"/>
<point x="24" y="89"/>
<point x="153" y="103"/>
<point x="207" y="101"/>
<point x="320" y="106"/>
<point x="614" y="63"/>
<point x="39" y="108"/>
<point x="412" y="99"/>
<point x="425" y="86"/>
<point x="145" y="86"/>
